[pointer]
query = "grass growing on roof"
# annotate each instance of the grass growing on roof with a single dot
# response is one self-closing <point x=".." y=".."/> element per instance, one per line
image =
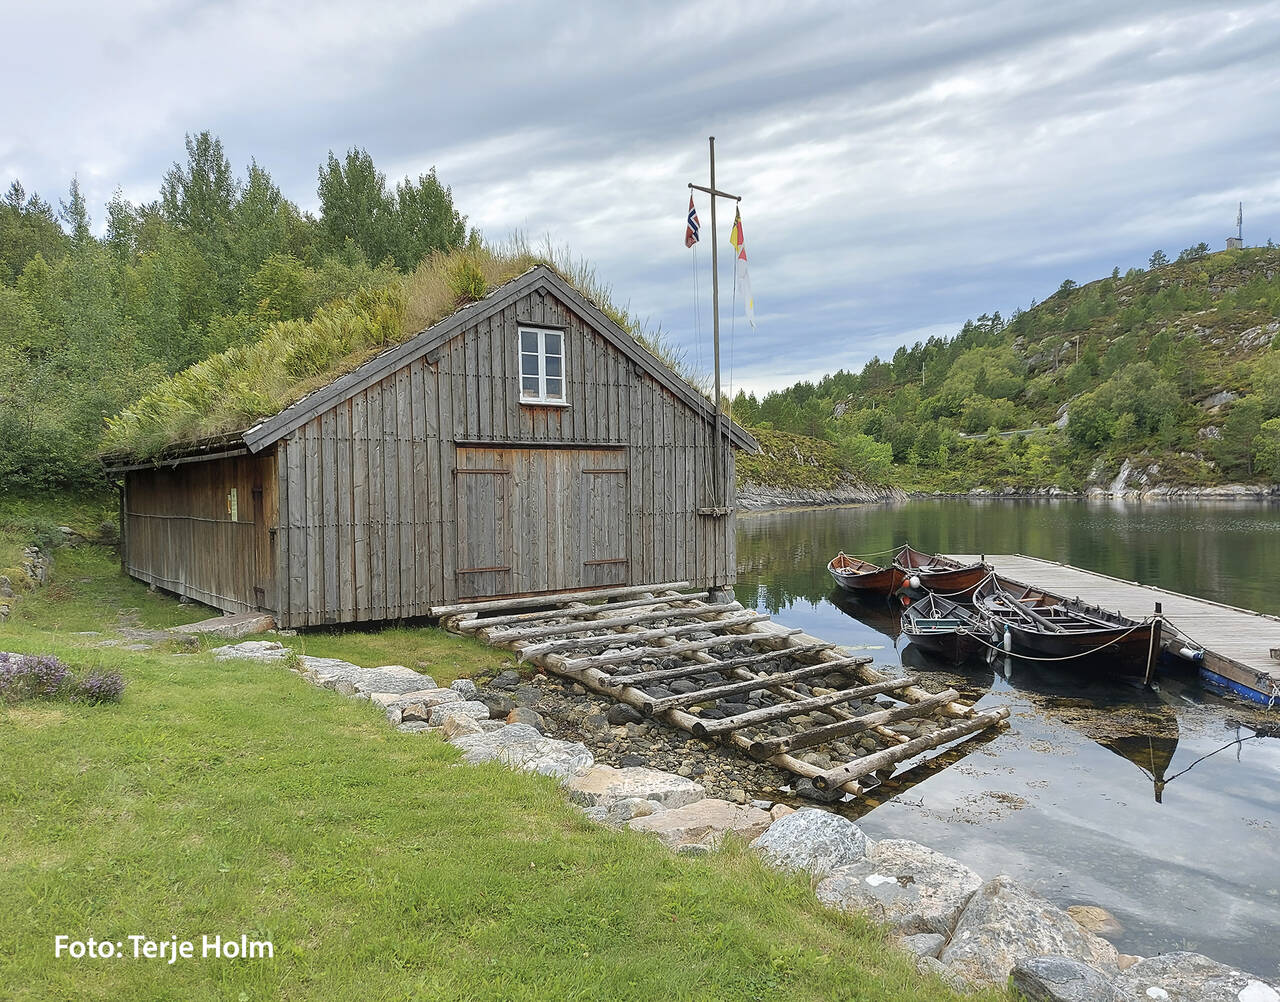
<point x="229" y="391"/>
<point x="231" y="797"/>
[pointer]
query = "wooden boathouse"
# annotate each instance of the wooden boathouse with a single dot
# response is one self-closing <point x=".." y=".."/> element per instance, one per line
<point x="524" y="445"/>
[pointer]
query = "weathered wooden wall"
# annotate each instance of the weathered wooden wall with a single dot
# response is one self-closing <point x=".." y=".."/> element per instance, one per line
<point x="178" y="533"/>
<point x="377" y="522"/>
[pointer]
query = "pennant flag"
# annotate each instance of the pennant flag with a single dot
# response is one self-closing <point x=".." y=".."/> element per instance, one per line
<point x="740" y="247"/>
<point x="691" y="230"/>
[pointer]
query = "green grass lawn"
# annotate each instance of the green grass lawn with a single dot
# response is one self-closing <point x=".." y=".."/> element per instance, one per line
<point x="231" y="797"/>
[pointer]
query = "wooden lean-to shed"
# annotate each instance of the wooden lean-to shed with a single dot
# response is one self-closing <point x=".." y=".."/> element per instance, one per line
<point x="525" y="444"/>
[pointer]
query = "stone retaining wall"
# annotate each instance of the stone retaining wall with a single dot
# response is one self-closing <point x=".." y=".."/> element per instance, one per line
<point x="32" y="572"/>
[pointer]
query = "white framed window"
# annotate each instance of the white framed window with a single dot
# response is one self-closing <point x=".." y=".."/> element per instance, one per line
<point x="541" y="366"/>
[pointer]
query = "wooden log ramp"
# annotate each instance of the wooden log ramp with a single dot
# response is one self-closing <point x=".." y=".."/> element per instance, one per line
<point x="724" y="673"/>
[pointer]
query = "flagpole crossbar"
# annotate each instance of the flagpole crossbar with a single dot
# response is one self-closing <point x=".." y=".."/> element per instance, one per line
<point x="715" y="191"/>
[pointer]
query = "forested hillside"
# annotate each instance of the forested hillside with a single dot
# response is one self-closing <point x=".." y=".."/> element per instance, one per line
<point x="1175" y="368"/>
<point x="88" y="323"/>
<point x="217" y="300"/>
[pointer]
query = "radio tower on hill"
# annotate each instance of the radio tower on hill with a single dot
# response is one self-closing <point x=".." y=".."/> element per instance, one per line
<point x="1237" y="242"/>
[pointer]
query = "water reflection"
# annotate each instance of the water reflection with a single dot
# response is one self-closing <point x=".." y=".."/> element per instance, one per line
<point x="1225" y="551"/>
<point x="1159" y="807"/>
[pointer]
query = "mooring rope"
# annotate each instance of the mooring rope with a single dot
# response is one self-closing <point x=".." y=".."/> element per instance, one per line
<point x="1069" y="657"/>
<point x="878" y="553"/>
<point x="1229" y="744"/>
<point x="963" y="591"/>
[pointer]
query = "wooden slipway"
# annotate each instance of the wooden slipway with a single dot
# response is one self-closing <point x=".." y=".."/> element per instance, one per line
<point x="621" y="642"/>
<point x="1237" y="644"/>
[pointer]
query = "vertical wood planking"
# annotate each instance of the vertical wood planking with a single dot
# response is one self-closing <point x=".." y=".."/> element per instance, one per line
<point x="297" y="530"/>
<point x="445" y="474"/>
<point x="404" y="483"/>
<point x="391" y="493"/>
<point x="377" y="508"/>
<point x="361" y="513"/>
<point x="315" y="524"/>
<point x="417" y="486"/>
<point x="329" y="507"/>
<point x="345" y="548"/>
<point x="433" y="541"/>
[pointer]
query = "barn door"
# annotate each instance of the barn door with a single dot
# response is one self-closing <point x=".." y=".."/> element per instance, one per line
<point x="605" y="522"/>
<point x="484" y="531"/>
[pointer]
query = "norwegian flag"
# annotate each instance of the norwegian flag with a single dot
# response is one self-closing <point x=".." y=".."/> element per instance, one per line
<point x="691" y="230"/>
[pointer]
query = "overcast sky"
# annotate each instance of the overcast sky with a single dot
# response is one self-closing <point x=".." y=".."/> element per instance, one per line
<point x="903" y="166"/>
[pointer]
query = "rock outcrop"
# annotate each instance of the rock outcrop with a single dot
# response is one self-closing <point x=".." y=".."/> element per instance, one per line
<point x="1062" y="979"/>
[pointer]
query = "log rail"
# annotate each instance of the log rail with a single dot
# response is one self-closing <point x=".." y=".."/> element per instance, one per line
<point x="670" y="635"/>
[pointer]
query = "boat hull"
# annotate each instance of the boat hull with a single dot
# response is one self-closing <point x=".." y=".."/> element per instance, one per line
<point x="884" y="582"/>
<point x="957" y="583"/>
<point x="945" y="629"/>
<point x="858" y="577"/>
<point x="955" y="647"/>
<point x="1122" y="652"/>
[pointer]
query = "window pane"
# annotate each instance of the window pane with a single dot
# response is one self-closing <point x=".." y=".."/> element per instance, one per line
<point x="553" y="365"/>
<point x="554" y="389"/>
<point x="553" y="343"/>
<point x="529" y="386"/>
<point x="529" y="341"/>
<point x="528" y="365"/>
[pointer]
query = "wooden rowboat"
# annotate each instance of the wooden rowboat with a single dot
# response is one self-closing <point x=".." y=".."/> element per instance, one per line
<point x="925" y="571"/>
<point x="936" y="573"/>
<point x="861" y="577"/>
<point x="946" y="629"/>
<point x="1044" y="625"/>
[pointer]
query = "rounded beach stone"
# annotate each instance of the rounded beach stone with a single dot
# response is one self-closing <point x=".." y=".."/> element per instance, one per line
<point x="1004" y="923"/>
<point x="904" y="884"/>
<point x="813" y="840"/>
<point x="1192" y="977"/>
<point x="1062" y="979"/>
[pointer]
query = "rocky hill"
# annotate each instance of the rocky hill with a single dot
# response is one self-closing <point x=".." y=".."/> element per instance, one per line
<point x="1166" y="378"/>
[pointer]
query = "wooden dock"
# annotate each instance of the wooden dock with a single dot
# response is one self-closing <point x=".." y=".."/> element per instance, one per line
<point x="1239" y="645"/>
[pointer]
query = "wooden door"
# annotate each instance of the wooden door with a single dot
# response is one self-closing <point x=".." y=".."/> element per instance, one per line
<point x="484" y="531"/>
<point x="604" y="507"/>
<point x="535" y="520"/>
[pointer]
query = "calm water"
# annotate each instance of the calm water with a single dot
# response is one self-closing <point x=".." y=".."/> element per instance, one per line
<point x="1066" y="799"/>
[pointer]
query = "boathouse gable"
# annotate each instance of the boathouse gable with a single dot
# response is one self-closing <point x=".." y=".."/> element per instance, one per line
<point x="450" y="468"/>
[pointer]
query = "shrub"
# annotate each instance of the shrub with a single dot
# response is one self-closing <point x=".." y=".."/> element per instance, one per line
<point x="100" y="687"/>
<point x="25" y="677"/>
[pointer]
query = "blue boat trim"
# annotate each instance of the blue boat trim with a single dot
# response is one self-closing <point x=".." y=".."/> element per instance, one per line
<point x="1213" y="679"/>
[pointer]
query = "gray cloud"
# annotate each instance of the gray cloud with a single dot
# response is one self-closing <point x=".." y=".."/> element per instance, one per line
<point x="902" y="166"/>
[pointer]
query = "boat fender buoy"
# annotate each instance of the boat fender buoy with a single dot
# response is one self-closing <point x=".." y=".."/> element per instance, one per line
<point x="905" y="601"/>
<point x="915" y="581"/>
<point x="1008" y="640"/>
<point x="1192" y="655"/>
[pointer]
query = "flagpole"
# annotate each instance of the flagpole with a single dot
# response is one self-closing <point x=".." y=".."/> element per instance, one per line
<point x="719" y="502"/>
<point x="718" y="498"/>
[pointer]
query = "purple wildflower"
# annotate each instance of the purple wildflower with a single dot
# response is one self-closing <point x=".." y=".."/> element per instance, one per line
<point x="102" y="687"/>
<point x="23" y="676"/>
